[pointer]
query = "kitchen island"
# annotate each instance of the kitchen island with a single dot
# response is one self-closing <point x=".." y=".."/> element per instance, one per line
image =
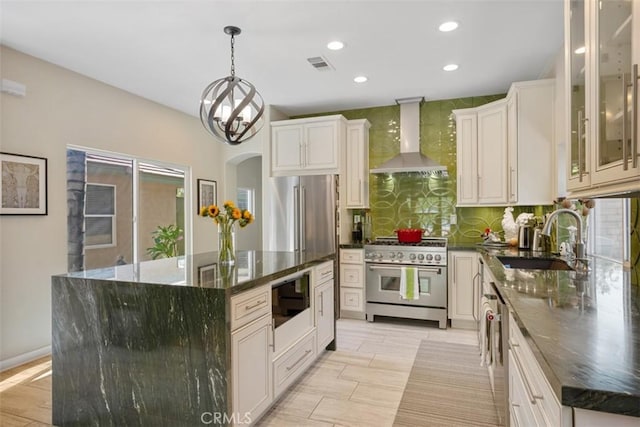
<point x="583" y="330"/>
<point x="150" y="343"/>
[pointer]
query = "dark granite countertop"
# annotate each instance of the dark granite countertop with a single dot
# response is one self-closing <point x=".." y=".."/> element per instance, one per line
<point x="252" y="268"/>
<point x="583" y="330"/>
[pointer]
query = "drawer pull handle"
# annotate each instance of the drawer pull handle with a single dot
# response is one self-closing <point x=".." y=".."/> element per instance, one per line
<point x="306" y="353"/>
<point x="259" y="303"/>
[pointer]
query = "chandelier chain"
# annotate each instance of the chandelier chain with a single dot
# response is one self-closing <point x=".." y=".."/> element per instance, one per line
<point x="233" y="64"/>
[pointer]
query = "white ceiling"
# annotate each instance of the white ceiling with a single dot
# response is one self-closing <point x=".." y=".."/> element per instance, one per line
<point x="168" y="51"/>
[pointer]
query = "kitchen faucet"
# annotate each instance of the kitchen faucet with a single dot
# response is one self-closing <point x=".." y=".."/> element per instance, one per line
<point x="546" y="229"/>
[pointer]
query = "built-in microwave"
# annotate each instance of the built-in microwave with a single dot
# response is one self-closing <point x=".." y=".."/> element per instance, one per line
<point x="290" y="298"/>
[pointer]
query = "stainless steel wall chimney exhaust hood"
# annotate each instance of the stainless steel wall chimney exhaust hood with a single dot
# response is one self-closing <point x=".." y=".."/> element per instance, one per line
<point x="410" y="159"/>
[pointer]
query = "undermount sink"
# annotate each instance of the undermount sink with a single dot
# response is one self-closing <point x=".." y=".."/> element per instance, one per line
<point x="534" y="263"/>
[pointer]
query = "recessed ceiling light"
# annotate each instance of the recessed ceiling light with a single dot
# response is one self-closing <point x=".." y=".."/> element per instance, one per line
<point x="360" y="79"/>
<point x="335" y="45"/>
<point x="450" y="67"/>
<point x="580" y="50"/>
<point x="448" y="26"/>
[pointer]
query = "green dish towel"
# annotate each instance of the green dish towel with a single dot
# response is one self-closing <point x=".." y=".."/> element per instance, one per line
<point x="409" y="284"/>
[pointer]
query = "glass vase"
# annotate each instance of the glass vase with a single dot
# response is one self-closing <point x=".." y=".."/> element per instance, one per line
<point x="226" y="244"/>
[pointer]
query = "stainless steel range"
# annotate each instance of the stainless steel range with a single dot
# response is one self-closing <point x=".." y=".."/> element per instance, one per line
<point x="384" y="262"/>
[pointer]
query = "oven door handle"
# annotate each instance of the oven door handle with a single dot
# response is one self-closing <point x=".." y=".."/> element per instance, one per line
<point x="437" y="270"/>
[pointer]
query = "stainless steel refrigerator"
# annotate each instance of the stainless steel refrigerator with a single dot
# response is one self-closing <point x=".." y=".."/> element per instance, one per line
<point x="302" y="214"/>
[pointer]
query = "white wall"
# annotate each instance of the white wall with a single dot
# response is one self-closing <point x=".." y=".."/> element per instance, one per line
<point x="249" y="175"/>
<point x="64" y="108"/>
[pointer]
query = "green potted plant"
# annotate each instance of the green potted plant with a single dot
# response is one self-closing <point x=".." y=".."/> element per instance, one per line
<point x="165" y="240"/>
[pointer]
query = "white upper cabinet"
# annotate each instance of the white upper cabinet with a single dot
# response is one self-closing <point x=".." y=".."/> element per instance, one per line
<point x="307" y="146"/>
<point x="505" y="149"/>
<point x="530" y="118"/>
<point x="467" y="154"/>
<point x="356" y="164"/>
<point x="602" y="55"/>
<point x="481" y="151"/>
<point x="492" y="154"/>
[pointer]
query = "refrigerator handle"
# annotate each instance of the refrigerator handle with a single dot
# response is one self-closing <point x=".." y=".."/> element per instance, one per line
<point x="303" y="215"/>
<point x="296" y="218"/>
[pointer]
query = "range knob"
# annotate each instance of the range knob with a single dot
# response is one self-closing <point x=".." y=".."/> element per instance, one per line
<point x="400" y="255"/>
<point x="412" y="257"/>
<point x="420" y="257"/>
<point x="392" y="255"/>
<point x="429" y="257"/>
<point x="438" y="257"/>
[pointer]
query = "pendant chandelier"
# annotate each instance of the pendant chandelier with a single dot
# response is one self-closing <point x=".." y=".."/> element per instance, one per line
<point x="231" y="108"/>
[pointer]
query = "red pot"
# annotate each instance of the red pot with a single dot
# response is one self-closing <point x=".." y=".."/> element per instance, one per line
<point x="409" y="235"/>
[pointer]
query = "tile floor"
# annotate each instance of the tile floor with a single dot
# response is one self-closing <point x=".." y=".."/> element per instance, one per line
<point x="359" y="384"/>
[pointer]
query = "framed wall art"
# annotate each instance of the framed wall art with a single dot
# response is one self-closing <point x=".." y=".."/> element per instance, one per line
<point x="23" y="185"/>
<point x="207" y="193"/>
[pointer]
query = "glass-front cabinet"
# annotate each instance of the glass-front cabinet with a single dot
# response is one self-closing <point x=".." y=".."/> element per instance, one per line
<point x="578" y="174"/>
<point x="602" y="58"/>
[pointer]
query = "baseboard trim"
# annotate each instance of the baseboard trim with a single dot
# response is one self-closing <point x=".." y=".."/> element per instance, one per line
<point x="348" y="314"/>
<point x="464" y="324"/>
<point x="24" y="358"/>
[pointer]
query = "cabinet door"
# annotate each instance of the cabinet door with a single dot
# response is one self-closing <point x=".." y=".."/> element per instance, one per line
<point x="530" y="112"/>
<point x="463" y="282"/>
<point x="321" y="146"/>
<point x="512" y="147"/>
<point x="251" y="375"/>
<point x="615" y="156"/>
<point x="467" y="153"/>
<point x="492" y="155"/>
<point x="575" y="58"/>
<point x="286" y="149"/>
<point x="324" y="314"/>
<point x="357" y="165"/>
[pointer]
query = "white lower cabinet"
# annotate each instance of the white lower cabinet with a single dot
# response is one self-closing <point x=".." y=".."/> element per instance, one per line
<point x="265" y="360"/>
<point x="463" y="288"/>
<point x="352" y="279"/>
<point x="351" y="300"/>
<point x="521" y="411"/>
<point x="325" y="318"/>
<point x="532" y="401"/>
<point x="251" y="376"/>
<point x="293" y="362"/>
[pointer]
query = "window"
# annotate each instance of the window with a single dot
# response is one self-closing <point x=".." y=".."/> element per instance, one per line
<point x="246" y="199"/>
<point x="116" y="204"/>
<point x="608" y="234"/>
<point x="99" y="218"/>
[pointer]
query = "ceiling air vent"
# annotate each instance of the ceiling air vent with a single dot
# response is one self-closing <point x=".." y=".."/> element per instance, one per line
<point x="320" y="63"/>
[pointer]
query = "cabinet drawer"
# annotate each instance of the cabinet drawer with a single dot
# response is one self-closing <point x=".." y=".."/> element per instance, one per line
<point x="288" y="367"/>
<point x="323" y="272"/>
<point x="546" y="400"/>
<point x="352" y="299"/>
<point x="250" y="305"/>
<point x="352" y="256"/>
<point x="352" y="276"/>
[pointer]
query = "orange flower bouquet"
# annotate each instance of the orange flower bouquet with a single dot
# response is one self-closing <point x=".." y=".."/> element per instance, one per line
<point x="226" y="219"/>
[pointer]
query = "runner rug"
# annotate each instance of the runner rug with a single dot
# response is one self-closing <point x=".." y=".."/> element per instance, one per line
<point x="447" y="387"/>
